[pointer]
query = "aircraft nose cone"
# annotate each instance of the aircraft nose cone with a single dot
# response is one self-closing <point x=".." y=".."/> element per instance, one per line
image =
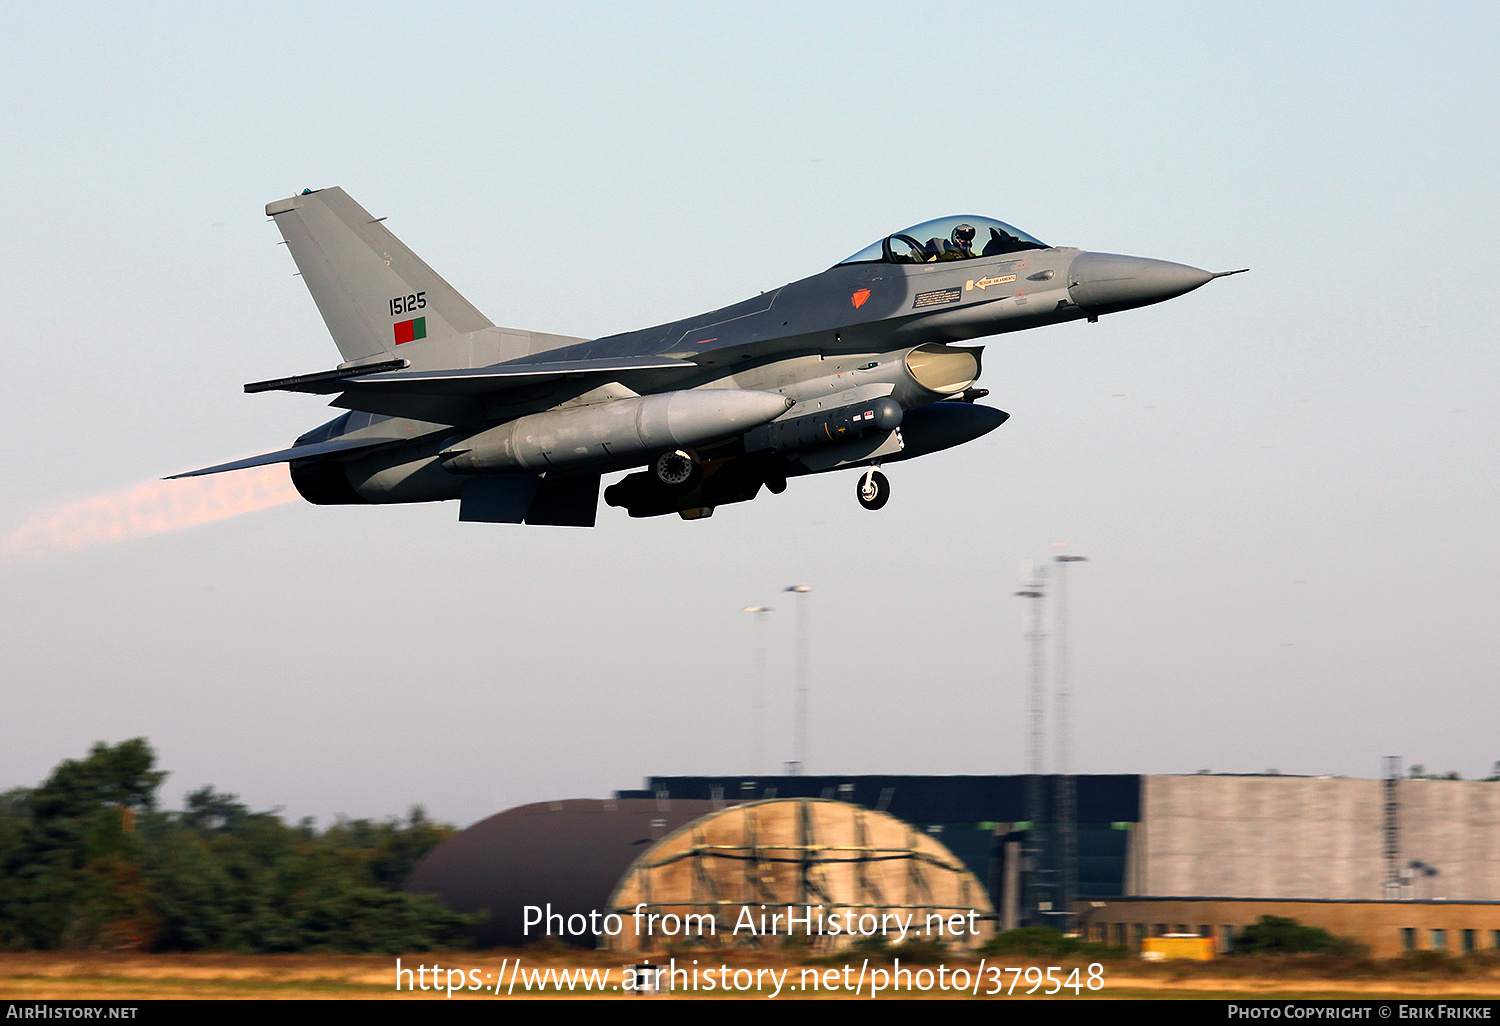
<point x="1106" y="282"/>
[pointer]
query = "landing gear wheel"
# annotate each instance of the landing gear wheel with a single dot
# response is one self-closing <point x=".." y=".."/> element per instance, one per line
<point x="874" y="490"/>
<point x="677" y="469"/>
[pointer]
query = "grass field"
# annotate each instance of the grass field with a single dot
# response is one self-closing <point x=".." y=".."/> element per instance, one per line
<point x="129" y="976"/>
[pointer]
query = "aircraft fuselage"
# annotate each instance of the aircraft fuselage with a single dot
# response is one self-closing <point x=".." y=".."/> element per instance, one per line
<point x="864" y="364"/>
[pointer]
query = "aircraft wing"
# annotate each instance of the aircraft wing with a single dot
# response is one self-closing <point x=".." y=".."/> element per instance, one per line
<point x="476" y="380"/>
<point x="337" y="446"/>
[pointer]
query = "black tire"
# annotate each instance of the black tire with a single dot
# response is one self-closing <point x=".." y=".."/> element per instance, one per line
<point x="878" y="494"/>
<point x="677" y="471"/>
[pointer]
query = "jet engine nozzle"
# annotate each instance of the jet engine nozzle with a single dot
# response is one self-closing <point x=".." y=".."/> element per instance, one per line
<point x="1107" y="282"/>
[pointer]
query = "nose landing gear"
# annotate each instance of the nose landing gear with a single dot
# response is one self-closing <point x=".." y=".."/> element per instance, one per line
<point x="874" y="490"/>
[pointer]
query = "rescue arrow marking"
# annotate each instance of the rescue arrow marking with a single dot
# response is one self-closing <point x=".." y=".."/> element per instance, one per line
<point x="984" y="283"/>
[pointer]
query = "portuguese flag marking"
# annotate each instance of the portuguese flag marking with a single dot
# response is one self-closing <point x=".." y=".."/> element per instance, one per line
<point x="410" y="331"/>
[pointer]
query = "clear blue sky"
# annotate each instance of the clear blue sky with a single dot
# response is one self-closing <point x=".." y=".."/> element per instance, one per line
<point x="1286" y="482"/>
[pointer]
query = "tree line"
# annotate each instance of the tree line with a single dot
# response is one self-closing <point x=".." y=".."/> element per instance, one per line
<point x="88" y="860"/>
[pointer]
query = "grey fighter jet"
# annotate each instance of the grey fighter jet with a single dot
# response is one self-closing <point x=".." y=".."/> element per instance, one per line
<point x="864" y="364"/>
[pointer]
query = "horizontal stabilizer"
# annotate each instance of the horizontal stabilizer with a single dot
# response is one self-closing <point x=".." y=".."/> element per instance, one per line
<point x="473" y="381"/>
<point x="337" y="446"/>
<point x="296" y="382"/>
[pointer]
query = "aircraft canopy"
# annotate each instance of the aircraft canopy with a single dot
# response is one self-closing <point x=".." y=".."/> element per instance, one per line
<point x="947" y="238"/>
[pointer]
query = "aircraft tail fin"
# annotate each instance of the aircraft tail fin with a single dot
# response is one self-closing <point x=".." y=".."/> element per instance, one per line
<point x="375" y="295"/>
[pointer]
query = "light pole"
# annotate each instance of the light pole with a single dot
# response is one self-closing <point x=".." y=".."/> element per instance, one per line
<point x="799" y="753"/>
<point x="1067" y="784"/>
<point x="1036" y="894"/>
<point x="758" y="687"/>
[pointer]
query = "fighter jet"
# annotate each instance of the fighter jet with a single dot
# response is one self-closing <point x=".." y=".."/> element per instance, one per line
<point x="865" y="364"/>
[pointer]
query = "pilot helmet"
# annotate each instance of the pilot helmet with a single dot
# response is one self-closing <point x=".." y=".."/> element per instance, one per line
<point x="963" y="235"/>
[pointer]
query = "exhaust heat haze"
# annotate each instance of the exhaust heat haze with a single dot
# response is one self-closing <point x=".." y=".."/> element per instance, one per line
<point x="147" y="508"/>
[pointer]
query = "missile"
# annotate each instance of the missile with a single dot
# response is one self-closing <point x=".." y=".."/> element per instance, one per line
<point x="618" y="433"/>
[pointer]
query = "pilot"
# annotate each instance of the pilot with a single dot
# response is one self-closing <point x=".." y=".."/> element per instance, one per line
<point x="961" y="243"/>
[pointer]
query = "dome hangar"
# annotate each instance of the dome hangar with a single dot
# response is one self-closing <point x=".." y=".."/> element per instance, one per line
<point x="826" y="872"/>
<point x="1398" y="864"/>
<point x="921" y="845"/>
